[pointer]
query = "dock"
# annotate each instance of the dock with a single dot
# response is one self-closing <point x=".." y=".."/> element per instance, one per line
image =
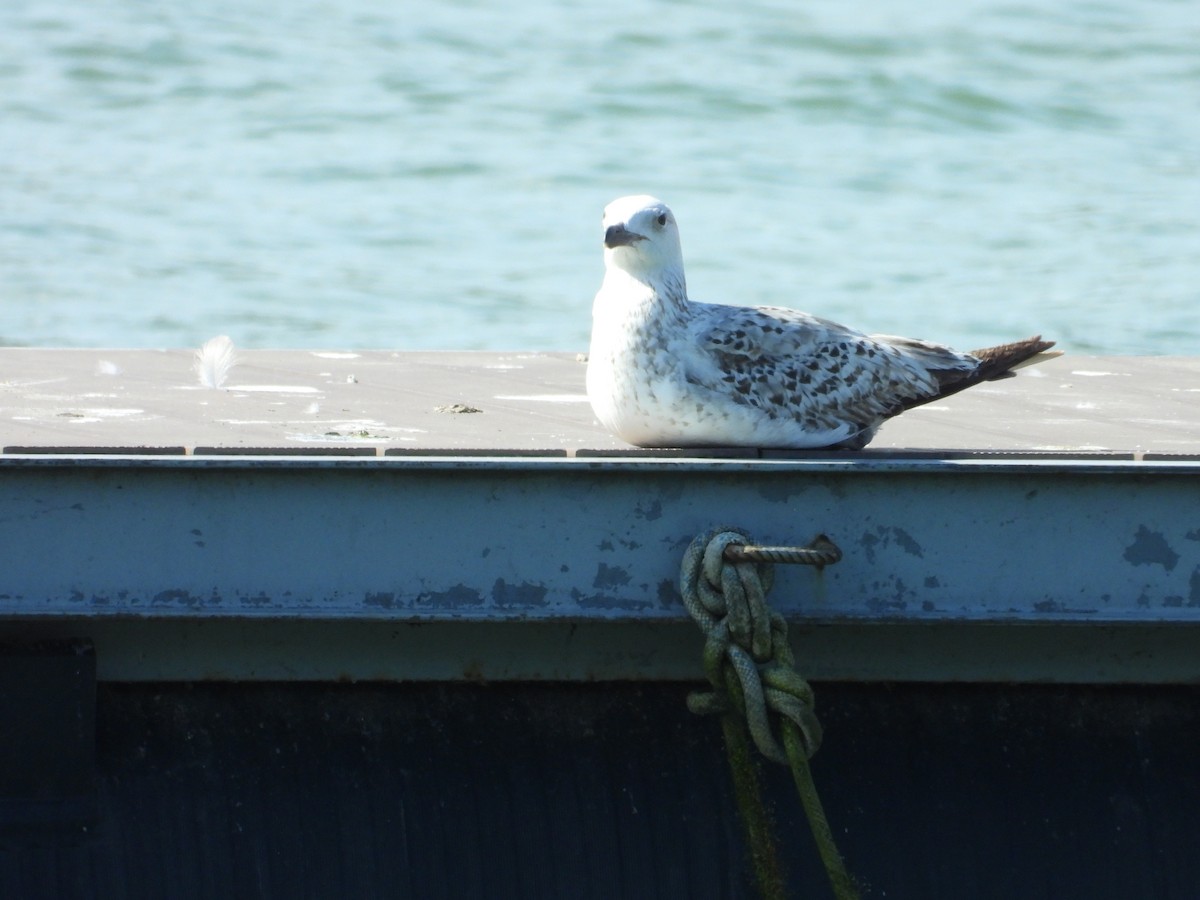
<point x="375" y="403"/>
<point x="343" y="531"/>
<point x="217" y="531"/>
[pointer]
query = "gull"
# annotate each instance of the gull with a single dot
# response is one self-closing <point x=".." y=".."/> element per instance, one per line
<point x="666" y="371"/>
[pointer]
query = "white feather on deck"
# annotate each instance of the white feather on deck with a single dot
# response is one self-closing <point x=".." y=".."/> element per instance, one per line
<point x="214" y="360"/>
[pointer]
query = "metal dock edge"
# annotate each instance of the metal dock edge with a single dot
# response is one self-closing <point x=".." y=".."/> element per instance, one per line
<point x="280" y="567"/>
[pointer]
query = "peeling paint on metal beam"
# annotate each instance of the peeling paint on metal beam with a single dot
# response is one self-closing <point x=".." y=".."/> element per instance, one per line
<point x="1151" y="548"/>
<point x="518" y="596"/>
<point x="566" y="543"/>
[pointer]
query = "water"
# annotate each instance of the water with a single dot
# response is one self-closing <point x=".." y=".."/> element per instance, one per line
<point x="352" y="174"/>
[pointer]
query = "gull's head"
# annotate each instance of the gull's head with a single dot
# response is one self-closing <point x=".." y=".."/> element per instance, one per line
<point x="641" y="237"/>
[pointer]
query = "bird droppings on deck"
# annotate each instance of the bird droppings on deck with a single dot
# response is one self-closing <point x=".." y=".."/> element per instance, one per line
<point x="271" y="389"/>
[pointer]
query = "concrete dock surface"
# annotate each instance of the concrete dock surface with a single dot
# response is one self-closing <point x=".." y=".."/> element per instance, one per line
<point x="384" y="403"/>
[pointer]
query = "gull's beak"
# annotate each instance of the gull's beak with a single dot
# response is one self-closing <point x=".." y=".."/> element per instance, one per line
<point x="620" y="236"/>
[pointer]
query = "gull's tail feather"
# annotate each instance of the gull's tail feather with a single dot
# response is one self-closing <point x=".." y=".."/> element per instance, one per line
<point x="214" y="360"/>
<point x="1001" y="360"/>
<point x="996" y="362"/>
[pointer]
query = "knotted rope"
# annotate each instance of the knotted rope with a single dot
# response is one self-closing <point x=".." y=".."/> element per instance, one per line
<point x="724" y="581"/>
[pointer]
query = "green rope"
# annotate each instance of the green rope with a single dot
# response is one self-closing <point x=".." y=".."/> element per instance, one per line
<point x="747" y="789"/>
<point x="749" y="662"/>
<point x="835" y="867"/>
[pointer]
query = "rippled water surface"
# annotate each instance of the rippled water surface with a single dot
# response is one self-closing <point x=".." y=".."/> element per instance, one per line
<point x="356" y="174"/>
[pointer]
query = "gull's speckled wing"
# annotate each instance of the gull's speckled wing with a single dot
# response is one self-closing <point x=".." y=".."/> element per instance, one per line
<point x="788" y="363"/>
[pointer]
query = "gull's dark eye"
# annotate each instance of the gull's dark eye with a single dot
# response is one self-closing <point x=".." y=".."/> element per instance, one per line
<point x="662" y="219"/>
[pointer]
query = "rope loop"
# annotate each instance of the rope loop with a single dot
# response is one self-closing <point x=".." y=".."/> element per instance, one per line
<point x="724" y="580"/>
<point x="746" y="638"/>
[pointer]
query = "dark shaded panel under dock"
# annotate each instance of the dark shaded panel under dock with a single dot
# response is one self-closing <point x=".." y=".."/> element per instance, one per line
<point x="523" y="791"/>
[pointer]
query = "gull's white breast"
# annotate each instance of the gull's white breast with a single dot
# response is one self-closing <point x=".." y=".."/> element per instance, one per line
<point x="651" y="384"/>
